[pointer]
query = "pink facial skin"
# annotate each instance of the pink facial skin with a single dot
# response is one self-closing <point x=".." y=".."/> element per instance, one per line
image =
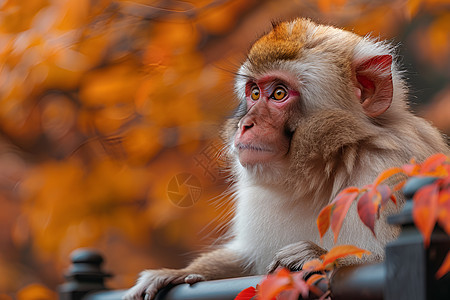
<point x="266" y="86"/>
<point x="261" y="136"/>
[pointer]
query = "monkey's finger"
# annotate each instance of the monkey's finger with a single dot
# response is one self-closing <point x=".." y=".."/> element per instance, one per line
<point x="273" y="266"/>
<point x="193" y="278"/>
<point x="156" y="285"/>
<point x="135" y="293"/>
<point x="150" y="294"/>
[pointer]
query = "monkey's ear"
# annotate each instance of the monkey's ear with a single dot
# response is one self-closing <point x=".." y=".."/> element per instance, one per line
<point x="375" y="81"/>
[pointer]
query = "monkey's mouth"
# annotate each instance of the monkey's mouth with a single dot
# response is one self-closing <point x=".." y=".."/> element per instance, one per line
<point x="241" y="147"/>
<point x="250" y="154"/>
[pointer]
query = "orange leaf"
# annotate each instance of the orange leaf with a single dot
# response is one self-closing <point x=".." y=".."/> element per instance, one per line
<point x="444" y="210"/>
<point x="313" y="265"/>
<point x="440" y="171"/>
<point x="349" y="190"/>
<point x="323" y="220"/>
<point x="412" y="7"/>
<point x="447" y="168"/>
<point x="274" y="284"/>
<point x="246" y="294"/>
<point x="314" y="278"/>
<point x="398" y="187"/>
<point x="342" y="251"/>
<point x="386" y="174"/>
<point x="368" y="206"/>
<point x="445" y="267"/>
<point x="342" y="203"/>
<point x="434" y="161"/>
<point x="425" y="210"/>
<point x="36" y="291"/>
<point x="326" y="5"/>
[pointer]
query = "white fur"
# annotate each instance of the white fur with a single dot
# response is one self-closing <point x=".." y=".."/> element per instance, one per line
<point x="266" y="221"/>
<point x="269" y="218"/>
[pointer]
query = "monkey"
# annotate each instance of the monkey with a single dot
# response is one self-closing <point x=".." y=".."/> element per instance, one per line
<point x="320" y="109"/>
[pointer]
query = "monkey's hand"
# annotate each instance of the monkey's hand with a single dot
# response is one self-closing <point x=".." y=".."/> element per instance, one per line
<point x="151" y="281"/>
<point x="295" y="255"/>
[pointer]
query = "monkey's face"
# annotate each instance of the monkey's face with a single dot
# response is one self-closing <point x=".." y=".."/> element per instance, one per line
<point x="263" y="135"/>
<point x="296" y="72"/>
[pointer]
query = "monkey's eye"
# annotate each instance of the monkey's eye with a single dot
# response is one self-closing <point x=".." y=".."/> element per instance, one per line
<point x="255" y="93"/>
<point x="279" y="93"/>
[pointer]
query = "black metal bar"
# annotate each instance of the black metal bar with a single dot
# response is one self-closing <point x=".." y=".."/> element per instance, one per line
<point x="410" y="266"/>
<point x="84" y="276"/>
<point x="106" y="295"/>
<point x="358" y="282"/>
<point x="225" y="289"/>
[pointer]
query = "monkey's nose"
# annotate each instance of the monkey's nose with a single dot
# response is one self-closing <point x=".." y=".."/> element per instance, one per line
<point x="245" y="124"/>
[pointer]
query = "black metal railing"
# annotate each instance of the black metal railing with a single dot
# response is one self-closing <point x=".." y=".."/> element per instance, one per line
<point x="408" y="271"/>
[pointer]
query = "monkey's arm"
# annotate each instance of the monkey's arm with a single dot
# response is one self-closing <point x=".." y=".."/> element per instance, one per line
<point x="218" y="264"/>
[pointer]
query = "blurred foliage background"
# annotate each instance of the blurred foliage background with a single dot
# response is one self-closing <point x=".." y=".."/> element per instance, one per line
<point x="102" y="102"/>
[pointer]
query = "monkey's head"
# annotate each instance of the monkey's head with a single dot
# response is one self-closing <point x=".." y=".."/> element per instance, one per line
<point x="308" y="89"/>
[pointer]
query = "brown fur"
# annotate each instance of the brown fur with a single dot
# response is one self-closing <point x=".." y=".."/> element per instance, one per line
<point x="279" y="44"/>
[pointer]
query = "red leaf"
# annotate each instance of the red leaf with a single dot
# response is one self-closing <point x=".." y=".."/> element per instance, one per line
<point x="342" y="203"/>
<point x="274" y="284"/>
<point x="411" y="169"/>
<point x="394" y="199"/>
<point x="246" y="294"/>
<point x="425" y="210"/>
<point x="446" y="181"/>
<point x="342" y="251"/>
<point x="368" y="206"/>
<point x="435" y="165"/>
<point x="444" y="210"/>
<point x="445" y="267"/>
<point x="323" y="220"/>
<point x="432" y="162"/>
<point x="386" y="194"/>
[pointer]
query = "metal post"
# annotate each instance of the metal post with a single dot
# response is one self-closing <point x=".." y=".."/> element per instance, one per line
<point x="410" y="266"/>
<point x="84" y="276"/>
<point x="358" y="282"/>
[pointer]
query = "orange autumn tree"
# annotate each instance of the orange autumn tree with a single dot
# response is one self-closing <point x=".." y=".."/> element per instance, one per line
<point x="99" y="109"/>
